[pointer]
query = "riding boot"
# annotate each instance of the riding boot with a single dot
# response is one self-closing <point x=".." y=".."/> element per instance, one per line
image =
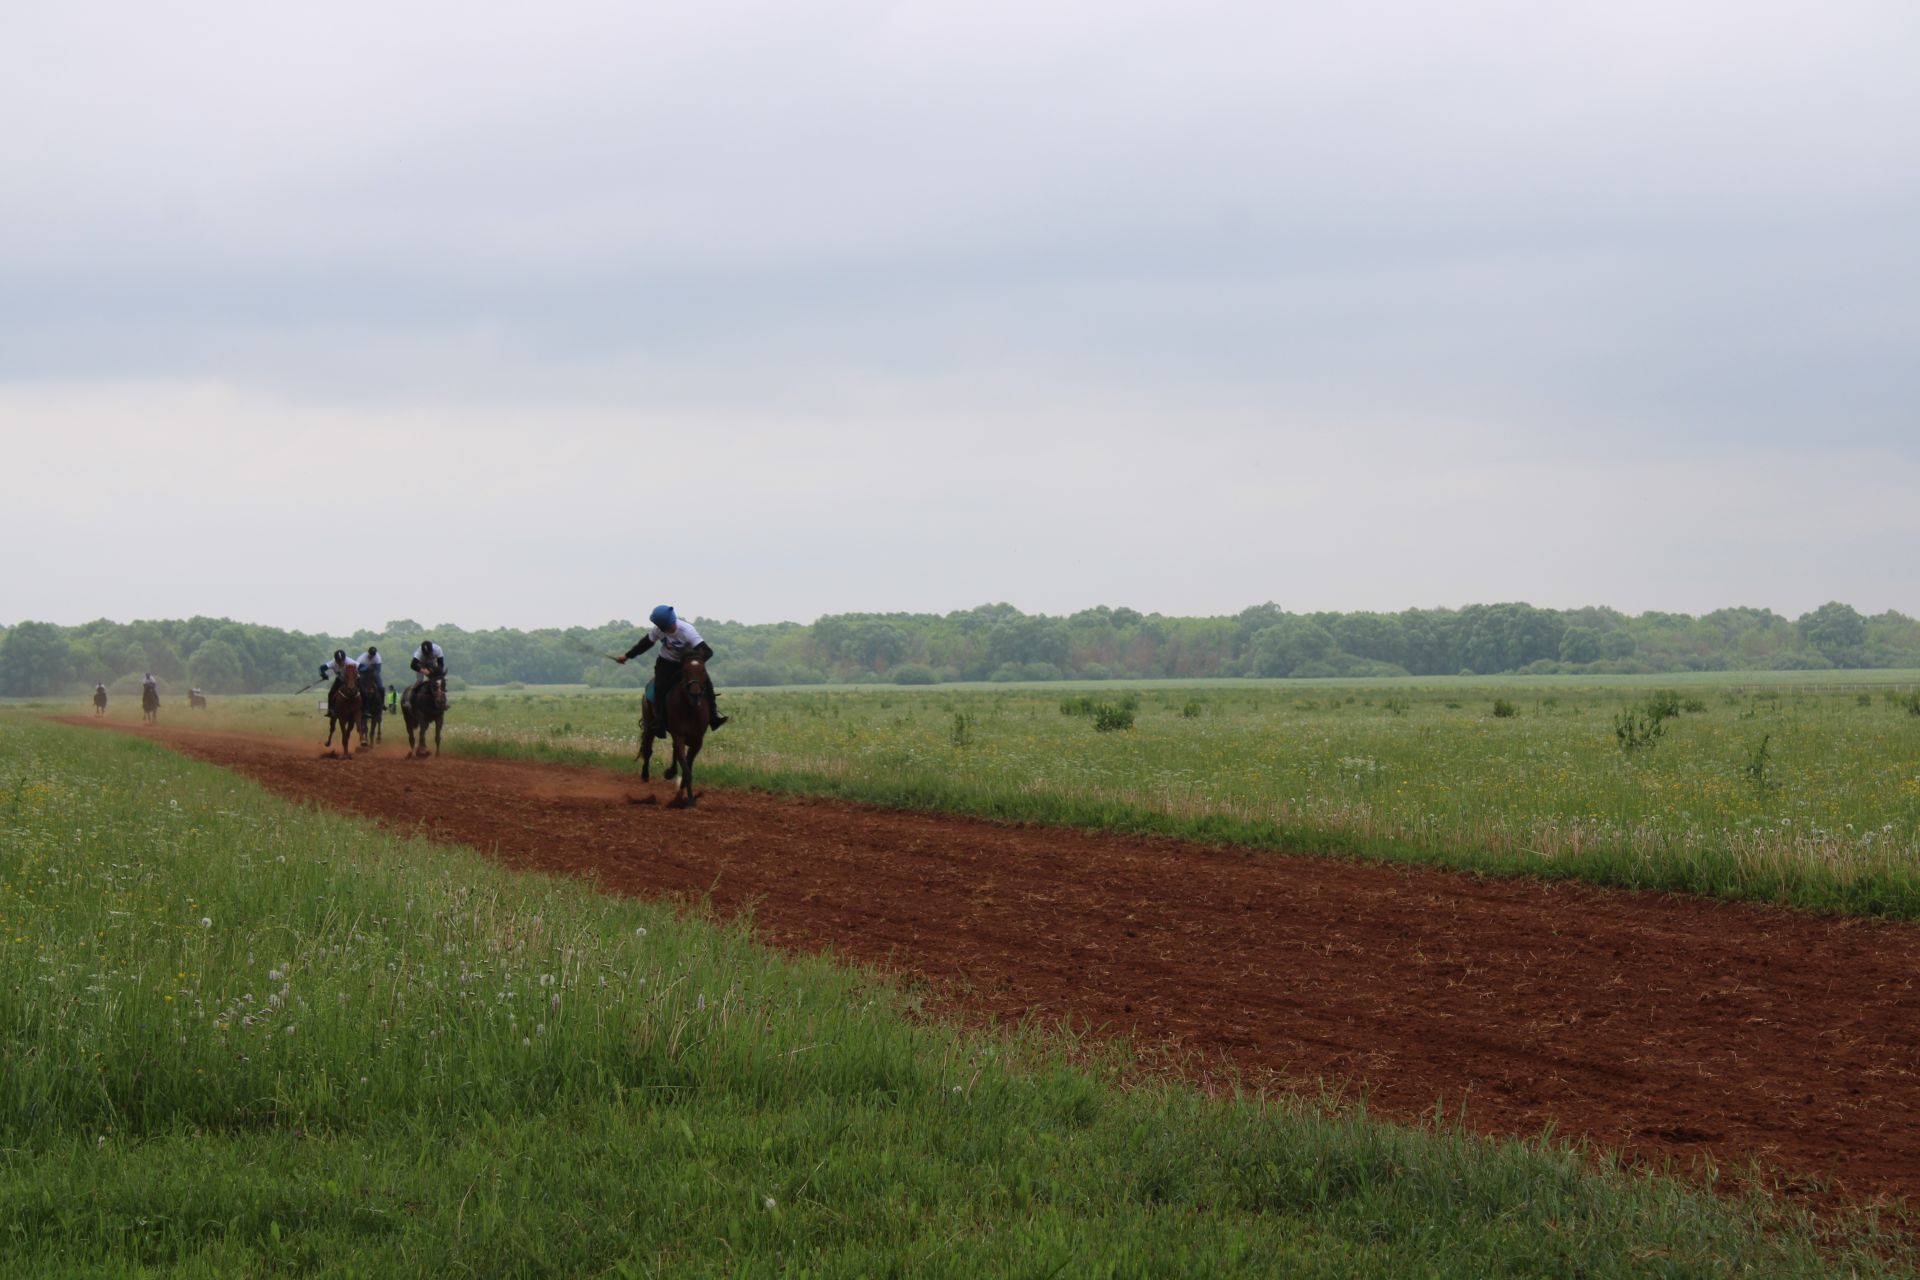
<point x="713" y="707"/>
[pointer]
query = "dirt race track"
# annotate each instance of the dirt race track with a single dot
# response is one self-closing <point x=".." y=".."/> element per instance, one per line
<point x="1659" y="1026"/>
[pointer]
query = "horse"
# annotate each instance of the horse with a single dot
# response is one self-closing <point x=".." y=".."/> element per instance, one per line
<point x="373" y="709"/>
<point x="196" y="699"/>
<point x="99" y="700"/>
<point x="423" y="704"/>
<point x="343" y="710"/>
<point x="687" y="711"/>
<point x="149" y="704"/>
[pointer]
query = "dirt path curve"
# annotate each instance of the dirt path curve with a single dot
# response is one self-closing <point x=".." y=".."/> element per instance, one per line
<point x="1656" y="1025"/>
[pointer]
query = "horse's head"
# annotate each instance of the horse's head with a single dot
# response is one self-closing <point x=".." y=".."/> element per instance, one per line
<point x="693" y="672"/>
<point x="439" y="693"/>
<point x="350" y="677"/>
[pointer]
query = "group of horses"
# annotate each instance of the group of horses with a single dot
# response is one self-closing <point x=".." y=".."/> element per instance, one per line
<point x="149" y="702"/>
<point x="681" y="714"/>
<point x="351" y="710"/>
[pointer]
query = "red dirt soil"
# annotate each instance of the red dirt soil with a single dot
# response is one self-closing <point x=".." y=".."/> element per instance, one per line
<point x="1658" y="1026"/>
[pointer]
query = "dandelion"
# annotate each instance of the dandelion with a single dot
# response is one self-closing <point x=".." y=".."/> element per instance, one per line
<point x="206" y="923"/>
<point x="639" y="933"/>
<point x="767" y="1203"/>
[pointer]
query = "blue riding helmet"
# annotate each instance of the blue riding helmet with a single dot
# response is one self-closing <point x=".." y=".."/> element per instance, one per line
<point x="662" y="617"/>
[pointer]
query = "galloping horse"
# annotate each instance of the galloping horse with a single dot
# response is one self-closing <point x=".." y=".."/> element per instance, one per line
<point x="343" y="710"/>
<point x="687" y="711"/>
<point x="195" y="698"/>
<point x="149" y="705"/>
<point x="100" y="700"/>
<point x="423" y="704"/>
<point x="373" y="708"/>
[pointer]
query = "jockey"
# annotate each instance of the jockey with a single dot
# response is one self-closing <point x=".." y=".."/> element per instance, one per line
<point x="149" y="683"/>
<point x="678" y="641"/>
<point x="430" y="660"/>
<point x="370" y="669"/>
<point x="337" y="668"/>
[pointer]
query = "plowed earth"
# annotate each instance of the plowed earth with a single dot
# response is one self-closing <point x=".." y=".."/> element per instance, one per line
<point x="1658" y="1026"/>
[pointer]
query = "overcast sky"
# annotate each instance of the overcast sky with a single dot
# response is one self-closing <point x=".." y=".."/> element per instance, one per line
<point x="539" y="314"/>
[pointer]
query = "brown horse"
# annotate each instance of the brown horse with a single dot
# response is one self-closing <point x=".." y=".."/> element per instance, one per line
<point x="687" y="712"/>
<point x="149" y="705"/>
<point x="423" y="704"/>
<point x="196" y="699"/>
<point x="100" y="700"/>
<point x="343" y="710"/>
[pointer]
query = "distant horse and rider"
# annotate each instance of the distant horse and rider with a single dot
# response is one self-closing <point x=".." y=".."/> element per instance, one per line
<point x="99" y="700"/>
<point x="343" y="704"/>
<point x="373" y="691"/>
<point x="680" y="702"/>
<point x="149" y="701"/>
<point x="196" y="700"/>
<point x="425" y="703"/>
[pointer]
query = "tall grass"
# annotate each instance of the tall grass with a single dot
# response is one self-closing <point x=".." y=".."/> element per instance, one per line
<point x="242" y="1038"/>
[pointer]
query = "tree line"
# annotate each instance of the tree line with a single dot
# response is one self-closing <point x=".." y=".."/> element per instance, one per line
<point x="992" y="642"/>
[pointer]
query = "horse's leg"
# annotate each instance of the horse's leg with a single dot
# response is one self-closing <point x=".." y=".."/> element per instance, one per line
<point x="439" y="722"/>
<point x="645" y="756"/>
<point x="686" y="773"/>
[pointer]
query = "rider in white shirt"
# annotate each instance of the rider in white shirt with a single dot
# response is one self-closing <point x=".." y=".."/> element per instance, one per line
<point x="370" y="670"/>
<point x="678" y="641"/>
<point x="429" y="660"/>
<point x="337" y="668"/>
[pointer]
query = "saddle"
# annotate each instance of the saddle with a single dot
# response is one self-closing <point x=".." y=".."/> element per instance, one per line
<point x="658" y="697"/>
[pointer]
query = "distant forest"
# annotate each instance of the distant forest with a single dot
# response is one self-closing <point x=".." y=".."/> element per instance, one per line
<point x="993" y="642"/>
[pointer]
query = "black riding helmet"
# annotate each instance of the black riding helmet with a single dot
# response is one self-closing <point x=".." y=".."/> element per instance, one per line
<point x="339" y="655"/>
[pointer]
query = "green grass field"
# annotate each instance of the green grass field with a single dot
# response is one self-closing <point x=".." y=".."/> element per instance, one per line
<point x="244" y="1038"/>
<point x="1799" y="792"/>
